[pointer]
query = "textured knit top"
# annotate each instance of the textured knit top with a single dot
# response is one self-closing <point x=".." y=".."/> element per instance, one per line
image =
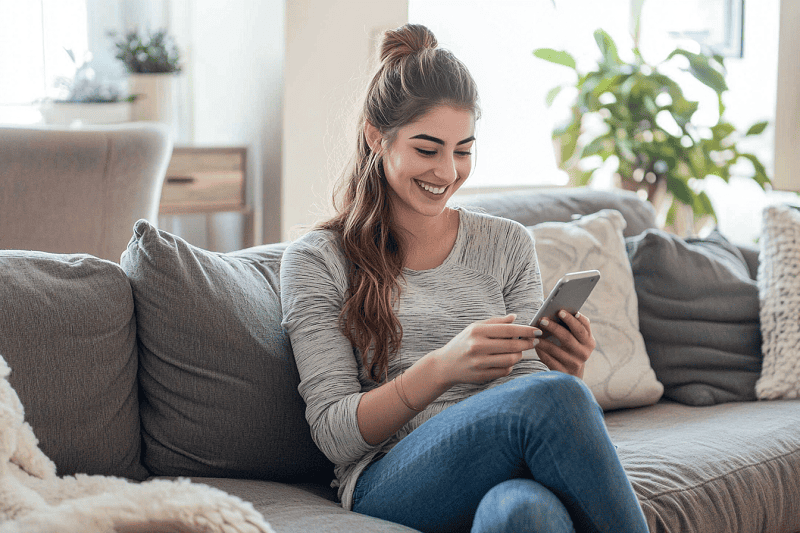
<point x="491" y="271"/>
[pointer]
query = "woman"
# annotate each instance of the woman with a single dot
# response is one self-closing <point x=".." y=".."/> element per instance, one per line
<point x="407" y="320"/>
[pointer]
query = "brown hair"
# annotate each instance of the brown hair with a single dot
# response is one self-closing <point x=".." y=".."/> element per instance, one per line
<point x="413" y="77"/>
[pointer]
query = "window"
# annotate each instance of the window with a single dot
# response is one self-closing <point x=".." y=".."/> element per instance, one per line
<point x="496" y="41"/>
<point x="33" y="37"/>
<point x="514" y="148"/>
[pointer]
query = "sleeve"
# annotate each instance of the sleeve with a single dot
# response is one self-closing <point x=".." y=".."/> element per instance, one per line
<point x="522" y="290"/>
<point x="313" y="284"/>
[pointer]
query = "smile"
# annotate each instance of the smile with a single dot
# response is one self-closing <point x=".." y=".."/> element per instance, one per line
<point x="431" y="188"/>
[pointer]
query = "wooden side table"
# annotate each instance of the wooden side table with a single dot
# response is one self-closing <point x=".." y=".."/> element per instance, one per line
<point x="206" y="181"/>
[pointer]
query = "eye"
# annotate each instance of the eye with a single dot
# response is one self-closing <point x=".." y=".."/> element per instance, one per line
<point x="464" y="154"/>
<point x="426" y="152"/>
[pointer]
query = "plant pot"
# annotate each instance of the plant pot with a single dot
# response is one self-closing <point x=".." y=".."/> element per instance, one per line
<point x="74" y="113"/>
<point x="156" y="96"/>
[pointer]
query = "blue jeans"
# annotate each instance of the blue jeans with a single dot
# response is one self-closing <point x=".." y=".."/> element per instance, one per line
<point x="532" y="455"/>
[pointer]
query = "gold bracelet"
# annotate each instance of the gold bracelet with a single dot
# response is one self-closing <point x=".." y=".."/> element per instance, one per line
<point x="402" y="395"/>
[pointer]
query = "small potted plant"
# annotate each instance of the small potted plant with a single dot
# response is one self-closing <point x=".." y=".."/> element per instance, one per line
<point x="152" y="60"/>
<point x="85" y="98"/>
<point x="637" y="113"/>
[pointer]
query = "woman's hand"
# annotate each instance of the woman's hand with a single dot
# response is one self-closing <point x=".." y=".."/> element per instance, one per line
<point x="484" y="350"/>
<point x="577" y="344"/>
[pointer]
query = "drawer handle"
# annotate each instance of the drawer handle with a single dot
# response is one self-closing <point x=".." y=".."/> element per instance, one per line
<point x="180" y="180"/>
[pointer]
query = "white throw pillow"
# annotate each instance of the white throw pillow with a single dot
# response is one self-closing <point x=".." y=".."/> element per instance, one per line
<point x="618" y="371"/>
<point x="779" y="297"/>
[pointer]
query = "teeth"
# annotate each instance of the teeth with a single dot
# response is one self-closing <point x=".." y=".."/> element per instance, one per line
<point x="428" y="188"/>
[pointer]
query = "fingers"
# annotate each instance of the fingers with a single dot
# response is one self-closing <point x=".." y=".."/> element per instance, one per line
<point x="509" y="318"/>
<point x="575" y="344"/>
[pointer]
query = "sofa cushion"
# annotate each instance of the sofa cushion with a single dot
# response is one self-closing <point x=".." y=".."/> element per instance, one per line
<point x="562" y="205"/>
<point x="68" y="332"/>
<point x="727" y="468"/>
<point x="302" y="508"/>
<point x="217" y="375"/>
<point x="698" y="314"/>
<point x="618" y="372"/>
<point x="779" y="293"/>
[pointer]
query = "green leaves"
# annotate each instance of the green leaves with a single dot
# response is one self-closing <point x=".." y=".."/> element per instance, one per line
<point x="757" y="128"/>
<point x="607" y="47"/>
<point x="634" y="112"/>
<point x="701" y="67"/>
<point x="559" y="57"/>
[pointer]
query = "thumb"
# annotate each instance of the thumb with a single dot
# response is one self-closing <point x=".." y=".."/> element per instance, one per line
<point x="508" y="319"/>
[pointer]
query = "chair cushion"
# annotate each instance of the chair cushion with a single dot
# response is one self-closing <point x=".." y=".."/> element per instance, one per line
<point x="217" y="375"/>
<point x="698" y="314"/>
<point x="68" y="332"/>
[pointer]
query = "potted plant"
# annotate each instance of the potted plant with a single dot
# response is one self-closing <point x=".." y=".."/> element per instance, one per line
<point x="152" y="60"/>
<point x="85" y="99"/>
<point x="635" y="112"/>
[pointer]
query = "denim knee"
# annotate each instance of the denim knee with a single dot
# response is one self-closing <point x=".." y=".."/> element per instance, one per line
<point x="521" y="505"/>
<point x="563" y="393"/>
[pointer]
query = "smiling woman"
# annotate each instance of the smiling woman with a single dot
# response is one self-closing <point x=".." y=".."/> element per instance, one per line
<point x="408" y="322"/>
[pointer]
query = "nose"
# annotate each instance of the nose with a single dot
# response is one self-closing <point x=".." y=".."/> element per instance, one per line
<point x="445" y="168"/>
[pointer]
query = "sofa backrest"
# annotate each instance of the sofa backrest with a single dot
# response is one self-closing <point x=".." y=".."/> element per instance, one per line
<point x="562" y="205"/>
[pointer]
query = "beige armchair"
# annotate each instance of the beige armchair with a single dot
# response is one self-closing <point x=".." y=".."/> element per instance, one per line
<point x="80" y="190"/>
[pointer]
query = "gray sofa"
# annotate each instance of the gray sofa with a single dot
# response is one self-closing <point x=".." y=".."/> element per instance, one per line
<point x="173" y="363"/>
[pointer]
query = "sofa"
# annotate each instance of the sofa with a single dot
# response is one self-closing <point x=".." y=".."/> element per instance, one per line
<point x="172" y="363"/>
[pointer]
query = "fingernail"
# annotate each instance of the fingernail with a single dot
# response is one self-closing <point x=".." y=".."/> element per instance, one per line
<point x="544" y="322"/>
<point x="537" y="333"/>
<point x="535" y="342"/>
<point x="562" y="314"/>
<point x="578" y="314"/>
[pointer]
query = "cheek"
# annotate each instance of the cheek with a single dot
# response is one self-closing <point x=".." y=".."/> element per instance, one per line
<point x="464" y="168"/>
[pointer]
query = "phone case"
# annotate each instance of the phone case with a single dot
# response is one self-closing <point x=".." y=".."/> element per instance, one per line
<point x="569" y="294"/>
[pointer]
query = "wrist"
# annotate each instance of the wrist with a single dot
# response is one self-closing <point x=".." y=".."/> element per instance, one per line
<point x="438" y="377"/>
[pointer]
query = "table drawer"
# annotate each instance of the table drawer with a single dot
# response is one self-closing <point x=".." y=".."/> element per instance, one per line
<point x="204" y="180"/>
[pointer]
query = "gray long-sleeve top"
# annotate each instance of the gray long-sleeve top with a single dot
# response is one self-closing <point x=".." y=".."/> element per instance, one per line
<point x="491" y="271"/>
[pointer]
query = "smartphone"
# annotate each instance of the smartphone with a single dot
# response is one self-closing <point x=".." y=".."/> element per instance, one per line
<point x="569" y="294"/>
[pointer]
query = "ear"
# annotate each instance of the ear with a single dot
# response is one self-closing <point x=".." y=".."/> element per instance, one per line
<point x="373" y="136"/>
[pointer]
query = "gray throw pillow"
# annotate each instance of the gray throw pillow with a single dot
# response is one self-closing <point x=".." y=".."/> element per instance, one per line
<point x="218" y="379"/>
<point x="68" y="332"/>
<point x="699" y="316"/>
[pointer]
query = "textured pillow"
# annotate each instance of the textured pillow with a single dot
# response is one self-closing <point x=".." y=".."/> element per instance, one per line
<point x="698" y="314"/>
<point x="68" y="332"/>
<point x="217" y="375"/>
<point x="618" y="372"/>
<point x="779" y="294"/>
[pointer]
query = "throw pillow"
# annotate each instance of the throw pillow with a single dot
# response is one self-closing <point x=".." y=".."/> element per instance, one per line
<point x="779" y="294"/>
<point x="618" y="372"/>
<point x="217" y="375"/>
<point x="698" y="314"/>
<point x="68" y="330"/>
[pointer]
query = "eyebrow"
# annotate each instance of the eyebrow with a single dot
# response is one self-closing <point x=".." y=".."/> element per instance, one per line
<point x="439" y="141"/>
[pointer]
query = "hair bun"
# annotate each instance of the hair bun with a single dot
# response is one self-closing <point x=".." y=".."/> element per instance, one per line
<point x="406" y="40"/>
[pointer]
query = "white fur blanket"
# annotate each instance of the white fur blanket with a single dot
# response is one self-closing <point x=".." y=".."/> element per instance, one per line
<point x="34" y="499"/>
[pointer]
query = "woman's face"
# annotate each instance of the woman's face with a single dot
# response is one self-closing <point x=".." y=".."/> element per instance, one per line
<point x="429" y="160"/>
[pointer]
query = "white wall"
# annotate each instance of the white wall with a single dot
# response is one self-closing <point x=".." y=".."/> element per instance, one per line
<point x="235" y="69"/>
<point x="329" y="46"/>
<point x="787" y="123"/>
